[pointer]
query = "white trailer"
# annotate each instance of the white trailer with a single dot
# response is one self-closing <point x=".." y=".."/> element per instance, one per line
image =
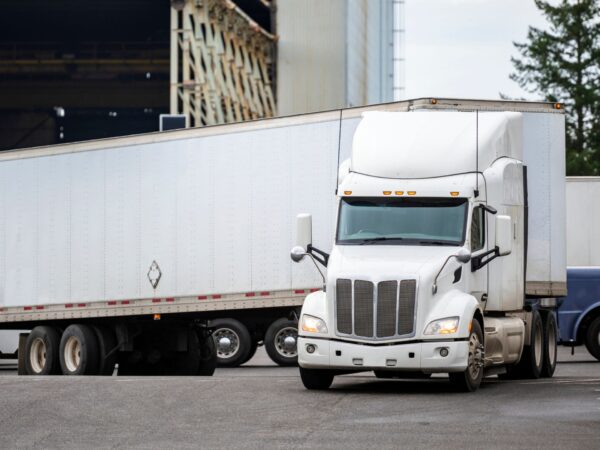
<point x="132" y="244"/>
<point x="423" y="193"/>
<point x="583" y="221"/>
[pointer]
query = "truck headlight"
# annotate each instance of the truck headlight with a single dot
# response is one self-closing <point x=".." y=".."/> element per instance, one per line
<point x="312" y="324"/>
<point x="448" y="325"/>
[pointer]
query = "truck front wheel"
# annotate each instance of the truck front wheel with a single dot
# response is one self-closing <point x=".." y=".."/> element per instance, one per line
<point x="470" y="379"/>
<point x="592" y="338"/>
<point x="315" y="379"/>
<point x="41" y="351"/>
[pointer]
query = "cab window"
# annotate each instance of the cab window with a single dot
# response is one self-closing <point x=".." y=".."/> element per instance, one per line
<point x="478" y="229"/>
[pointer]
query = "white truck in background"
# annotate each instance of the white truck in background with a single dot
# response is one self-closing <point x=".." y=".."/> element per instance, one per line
<point x="449" y="250"/>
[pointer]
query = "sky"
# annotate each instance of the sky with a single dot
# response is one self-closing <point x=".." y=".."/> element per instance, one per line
<point x="462" y="48"/>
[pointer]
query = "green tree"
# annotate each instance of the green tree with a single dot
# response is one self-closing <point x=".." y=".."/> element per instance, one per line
<point x="563" y="65"/>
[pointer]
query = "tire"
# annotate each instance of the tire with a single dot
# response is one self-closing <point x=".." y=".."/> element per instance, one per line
<point x="315" y="379"/>
<point x="106" y="343"/>
<point x="278" y="342"/>
<point x="592" y="338"/>
<point x="208" y="357"/>
<point x="532" y="360"/>
<point x="470" y="379"/>
<point x="79" y="351"/>
<point x="41" y="351"/>
<point x="550" y="347"/>
<point x="188" y="362"/>
<point x="391" y="374"/>
<point x="236" y="350"/>
<point x="253" y="348"/>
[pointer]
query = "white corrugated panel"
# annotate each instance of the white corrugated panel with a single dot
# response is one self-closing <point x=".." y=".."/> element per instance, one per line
<point x="583" y="221"/>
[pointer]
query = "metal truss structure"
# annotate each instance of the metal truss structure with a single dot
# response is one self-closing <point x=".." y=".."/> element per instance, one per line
<point x="220" y="64"/>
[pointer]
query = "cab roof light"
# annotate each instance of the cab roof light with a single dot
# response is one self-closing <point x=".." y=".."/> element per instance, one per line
<point x="387" y="192"/>
<point x="412" y="192"/>
<point x="347" y="192"/>
<point x="399" y="192"/>
<point x="454" y="194"/>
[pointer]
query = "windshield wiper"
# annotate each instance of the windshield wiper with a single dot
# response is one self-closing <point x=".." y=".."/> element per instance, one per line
<point x="436" y="243"/>
<point x="379" y="239"/>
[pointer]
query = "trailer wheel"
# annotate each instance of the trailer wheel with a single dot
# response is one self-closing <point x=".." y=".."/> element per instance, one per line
<point x="592" y="338"/>
<point x="208" y="357"/>
<point x="315" y="379"/>
<point x="532" y="359"/>
<point x="281" y="342"/>
<point x="79" y="351"/>
<point x="550" y="347"/>
<point x="232" y="341"/>
<point x="470" y="379"/>
<point x="106" y="344"/>
<point x="41" y="351"/>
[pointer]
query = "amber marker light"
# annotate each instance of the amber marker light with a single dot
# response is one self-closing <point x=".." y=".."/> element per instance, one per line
<point x="347" y="192"/>
<point x="412" y="192"/>
<point x="434" y="101"/>
<point x="557" y="106"/>
<point x="156" y="316"/>
<point x="387" y="192"/>
<point x="399" y="192"/>
<point x="454" y="194"/>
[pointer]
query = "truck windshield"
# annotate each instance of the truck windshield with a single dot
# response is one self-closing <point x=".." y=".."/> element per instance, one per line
<point x="402" y="221"/>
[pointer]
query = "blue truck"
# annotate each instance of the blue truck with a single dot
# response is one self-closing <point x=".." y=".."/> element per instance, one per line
<point x="579" y="311"/>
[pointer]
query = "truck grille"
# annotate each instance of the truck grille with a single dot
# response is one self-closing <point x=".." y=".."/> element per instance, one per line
<point x="366" y="310"/>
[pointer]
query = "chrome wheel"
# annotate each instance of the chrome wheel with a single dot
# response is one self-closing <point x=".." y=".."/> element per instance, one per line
<point x="37" y="355"/>
<point x="285" y="342"/>
<point x="538" y="345"/>
<point x="72" y="353"/>
<point x="475" y="362"/>
<point x="227" y="342"/>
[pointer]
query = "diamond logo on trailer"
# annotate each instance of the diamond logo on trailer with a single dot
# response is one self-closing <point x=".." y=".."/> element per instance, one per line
<point x="154" y="274"/>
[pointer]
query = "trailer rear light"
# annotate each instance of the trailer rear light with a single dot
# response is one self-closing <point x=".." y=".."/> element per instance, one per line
<point x="347" y="192"/>
<point x="454" y="194"/>
<point x="387" y="192"/>
<point x="412" y="192"/>
<point x="399" y="192"/>
<point x="203" y="297"/>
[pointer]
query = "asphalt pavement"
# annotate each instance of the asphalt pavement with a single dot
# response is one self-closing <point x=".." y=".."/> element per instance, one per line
<point x="262" y="406"/>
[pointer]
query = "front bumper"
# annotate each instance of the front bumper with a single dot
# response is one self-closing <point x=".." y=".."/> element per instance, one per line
<point x="417" y="356"/>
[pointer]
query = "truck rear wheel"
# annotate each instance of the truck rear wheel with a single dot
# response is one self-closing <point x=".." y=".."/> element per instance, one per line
<point x="592" y="338"/>
<point x="315" y="379"/>
<point x="470" y="379"/>
<point x="79" y="351"/>
<point x="232" y="340"/>
<point x="208" y="357"/>
<point x="281" y="342"/>
<point x="253" y="348"/>
<point x="550" y="347"/>
<point x="41" y="351"/>
<point x="532" y="359"/>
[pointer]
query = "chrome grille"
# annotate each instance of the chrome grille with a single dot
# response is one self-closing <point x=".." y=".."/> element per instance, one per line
<point x="376" y="312"/>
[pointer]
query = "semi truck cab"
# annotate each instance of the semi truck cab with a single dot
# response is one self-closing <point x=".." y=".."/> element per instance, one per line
<point x="427" y="271"/>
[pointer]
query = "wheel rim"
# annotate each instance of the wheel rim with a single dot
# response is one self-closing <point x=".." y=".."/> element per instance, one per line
<point x="538" y="345"/>
<point x="552" y="346"/>
<point x="227" y="342"/>
<point x="72" y="354"/>
<point x="475" y="356"/>
<point x="37" y="355"/>
<point x="285" y="342"/>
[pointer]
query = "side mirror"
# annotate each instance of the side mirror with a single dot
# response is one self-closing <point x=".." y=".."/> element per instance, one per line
<point x="463" y="255"/>
<point x="297" y="254"/>
<point x="504" y="235"/>
<point x="304" y="231"/>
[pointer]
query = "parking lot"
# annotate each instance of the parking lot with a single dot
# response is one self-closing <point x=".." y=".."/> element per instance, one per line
<point x="264" y="406"/>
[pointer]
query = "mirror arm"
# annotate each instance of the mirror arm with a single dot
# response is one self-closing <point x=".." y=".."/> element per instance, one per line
<point x="434" y="286"/>
<point x="314" y="260"/>
<point x="477" y="262"/>
<point x="320" y="255"/>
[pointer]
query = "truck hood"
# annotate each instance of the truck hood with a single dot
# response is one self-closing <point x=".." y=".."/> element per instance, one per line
<point x="378" y="262"/>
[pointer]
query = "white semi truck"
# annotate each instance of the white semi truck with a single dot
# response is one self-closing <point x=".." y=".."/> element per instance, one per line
<point x="135" y="249"/>
<point x="449" y="248"/>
